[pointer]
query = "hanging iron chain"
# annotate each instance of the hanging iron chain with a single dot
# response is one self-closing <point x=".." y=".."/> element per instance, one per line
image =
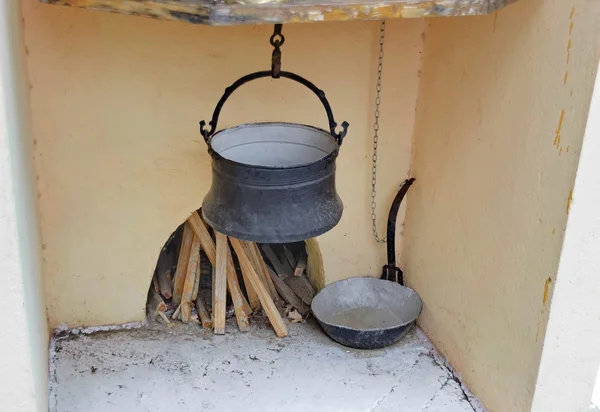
<point x="376" y="135"/>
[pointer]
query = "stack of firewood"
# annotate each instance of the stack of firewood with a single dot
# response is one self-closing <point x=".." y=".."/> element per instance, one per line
<point x="177" y="287"/>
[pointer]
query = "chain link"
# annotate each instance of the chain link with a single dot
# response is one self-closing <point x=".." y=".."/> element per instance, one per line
<point x="376" y="135"/>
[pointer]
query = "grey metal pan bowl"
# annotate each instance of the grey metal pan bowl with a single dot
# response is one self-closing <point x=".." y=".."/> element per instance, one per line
<point x="366" y="313"/>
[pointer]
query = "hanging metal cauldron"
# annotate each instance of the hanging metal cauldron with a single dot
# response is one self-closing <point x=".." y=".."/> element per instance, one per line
<point x="273" y="182"/>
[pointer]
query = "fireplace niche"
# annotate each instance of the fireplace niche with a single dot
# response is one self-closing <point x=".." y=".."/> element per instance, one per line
<point x="296" y="271"/>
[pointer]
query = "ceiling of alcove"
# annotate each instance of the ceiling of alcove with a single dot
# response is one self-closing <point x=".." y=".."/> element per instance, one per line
<point x="233" y="12"/>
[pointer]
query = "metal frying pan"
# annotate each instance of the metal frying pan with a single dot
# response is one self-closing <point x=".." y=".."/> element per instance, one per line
<point x="369" y="313"/>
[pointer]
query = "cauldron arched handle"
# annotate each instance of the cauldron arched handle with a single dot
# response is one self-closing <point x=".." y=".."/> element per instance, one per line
<point x="208" y="132"/>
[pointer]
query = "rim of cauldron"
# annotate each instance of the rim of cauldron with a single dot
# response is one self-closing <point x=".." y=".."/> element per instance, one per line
<point x="215" y="155"/>
<point x="376" y="329"/>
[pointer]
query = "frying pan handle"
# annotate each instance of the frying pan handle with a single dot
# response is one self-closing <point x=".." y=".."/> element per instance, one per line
<point x="208" y="132"/>
<point x="391" y="271"/>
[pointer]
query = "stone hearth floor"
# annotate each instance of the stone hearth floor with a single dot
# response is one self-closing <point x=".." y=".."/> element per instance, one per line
<point x="185" y="368"/>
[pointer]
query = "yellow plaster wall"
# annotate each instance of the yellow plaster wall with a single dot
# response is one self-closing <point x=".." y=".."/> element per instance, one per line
<point x="116" y="102"/>
<point x="500" y="121"/>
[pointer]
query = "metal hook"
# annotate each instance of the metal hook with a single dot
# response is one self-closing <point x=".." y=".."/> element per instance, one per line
<point x="277" y="38"/>
<point x="207" y="133"/>
<point x="276" y="41"/>
<point x="340" y="136"/>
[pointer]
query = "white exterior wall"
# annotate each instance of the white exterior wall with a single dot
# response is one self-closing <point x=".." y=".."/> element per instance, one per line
<point x="571" y="351"/>
<point x="23" y="331"/>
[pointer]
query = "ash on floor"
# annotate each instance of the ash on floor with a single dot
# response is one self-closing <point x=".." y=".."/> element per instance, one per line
<point x="184" y="369"/>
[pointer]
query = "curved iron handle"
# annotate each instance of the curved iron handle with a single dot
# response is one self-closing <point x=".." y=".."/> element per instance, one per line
<point x="391" y="271"/>
<point x="207" y="133"/>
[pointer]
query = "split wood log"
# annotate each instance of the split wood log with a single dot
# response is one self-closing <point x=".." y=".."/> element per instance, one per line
<point x="261" y="268"/>
<point x="165" y="282"/>
<point x="155" y="304"/>
<point x="301" y="287"/>
<point x="289" y="256"/>
<point x="193" y="267"/>
<point x="197" y="282"/>
<point x="235" y="291"/>
<point x="177" y="314"/>
<point x="288" y="294"/>
<point x="220" y="283"/>
<point x="265" y="299"/>
<point x="205" y="319"/>
<point x="184" y="257"/>
<point x="300" y="266"/>
<point x="164" y="317"/>
<point x="294" y="316"/>
<point x="252" y="295"/>
<point x="280" y="268"/>
<point x="239" y="301"/>
<point x="155" y="284"/>
<point x="200" y="230"/>
<point x="186" y="312"/>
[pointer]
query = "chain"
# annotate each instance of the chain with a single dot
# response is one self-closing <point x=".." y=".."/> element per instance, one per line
<point x="276" y="41"/>
<point x="376" y="136"/>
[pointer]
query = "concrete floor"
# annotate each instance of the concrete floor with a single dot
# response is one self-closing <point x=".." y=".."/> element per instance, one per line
<point x="596" y="395"/>
<point x="187" y="369"/>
